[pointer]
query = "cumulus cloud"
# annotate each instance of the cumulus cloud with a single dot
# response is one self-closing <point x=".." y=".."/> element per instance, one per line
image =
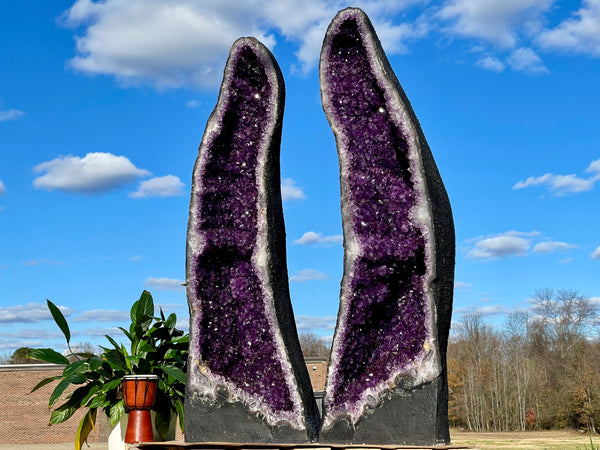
<point x="495" y="21"/>
<point x="551" y="247"/>
<point x="308" y="324"/>
<point x="311" y="237"/>
<point x="13" y="344"/>
<point x="32" y="312"/>
<point x="183" y="42"/>
<point x="526" y="60"/>
<point x="171" y="284"/>
<point x="561" y="185"/>
<point x="102" y="315"/>
<point x="596" y="254"/>
<point x="304" y="275"/>
<point x="192" y="104"/>
<point x="511" y="243"/>
<point x="460" y="285"/>
<point x="594" y="168"/>
<point x="93" y="174"/>
<point x="167" y="186"/>
<point x="2" y="188"/>
<point x="290" y="191"/>
<point x="492" y="64"/>
<point x="10" y="114"/>
<point x="579" y="34"/>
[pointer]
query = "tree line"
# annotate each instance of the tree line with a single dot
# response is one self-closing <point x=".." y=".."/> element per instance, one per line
<point x="540" y="370"/>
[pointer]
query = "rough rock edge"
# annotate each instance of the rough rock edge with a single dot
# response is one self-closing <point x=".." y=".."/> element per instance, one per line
<point x="204" y="389"/>
<point x="442" y="247"/>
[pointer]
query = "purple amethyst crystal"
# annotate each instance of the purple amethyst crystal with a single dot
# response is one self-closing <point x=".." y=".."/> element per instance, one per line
<point x="247" y="381"/>
<point x="386" y="381"/>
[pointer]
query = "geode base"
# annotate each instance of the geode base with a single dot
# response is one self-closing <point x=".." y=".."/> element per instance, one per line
<point x="405" y="417"/>
<point x="218" y="417"/>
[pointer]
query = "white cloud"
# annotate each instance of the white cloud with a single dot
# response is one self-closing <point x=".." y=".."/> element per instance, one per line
<point x="490" y="63"/>
<point x="459" y="285"/>
<point x="93" y="174"/>
<point x="186" y="41"/>
<point x="10" y="114"/>
<point x="2" y="188"/>
<point x="192" y="104"/>
<point x="496" y="21"/>
<point x="167" y="186"/>
<point x="102" y="315"/>
<point x="289" y="190"/>
<point x="32" y="312"/>
<point x="172" y="284"/>
<point x="311" y="237"/>
<point x="310" y="323"/>
<point x="492" y="310"/>
<point x="8" y="344"/>
<point x="596" y="254"/>
<point x="511" y="243"/>
<point x="552" y="246"/>
<point x="113" y="332"/>
<point x="526" y="60"/>
<point x="42" y="262"/>
<point x="594" y="167"/>
<point x="580" y="33"/>
<point x="135" y="258"/>
<point x="561" y="185"/>
<point x="307" y="275"/>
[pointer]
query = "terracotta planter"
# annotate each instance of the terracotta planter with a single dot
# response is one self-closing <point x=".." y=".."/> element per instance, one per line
<point x="139" y="393"/>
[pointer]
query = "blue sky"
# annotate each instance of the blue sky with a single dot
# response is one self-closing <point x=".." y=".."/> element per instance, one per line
<point x="103" y="105"/>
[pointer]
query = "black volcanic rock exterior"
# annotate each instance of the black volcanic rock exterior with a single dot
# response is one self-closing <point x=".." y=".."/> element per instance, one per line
<point x="386" y="381"/>
<point x="247" y="381"/>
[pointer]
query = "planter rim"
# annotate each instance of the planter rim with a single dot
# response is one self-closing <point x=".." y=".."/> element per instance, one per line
<point x="140" y="377"/>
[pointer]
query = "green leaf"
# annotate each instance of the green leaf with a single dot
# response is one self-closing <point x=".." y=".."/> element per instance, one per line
<point x="94" y="388"/>
<point x="59" y="319"/>
<point x="180" y="411"/>
<point x="44" y="382"/>
<point x="62" y="413"/>
<point x="111" y="385"/>
<point x="145" y="347"/>
<point x="127" y="333"/>
<point x="48" y="355"/>
<point x="78" y="367"/>
<point x="86" y="426"/>
<point x="60" y="387"/>
<point x="113" y="342"/>
<point x="175" y="372"/>
<point x="182" y="339"/>
<point x="58" y="390"/>
<point x="142" y="309"/>
<point x="116" y="360"/>
<point x="171" y="321"/>
<point x="115" y="412"/>
<point x="95" y="363"/>
<point x="162" y="422"/>
<point x="98" y="401"/>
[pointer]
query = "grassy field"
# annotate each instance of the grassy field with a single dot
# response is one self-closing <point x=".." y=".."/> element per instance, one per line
<point x="540" y="440"/>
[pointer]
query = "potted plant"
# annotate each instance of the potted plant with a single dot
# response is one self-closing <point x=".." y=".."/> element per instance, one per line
<point x="155" y="347"/>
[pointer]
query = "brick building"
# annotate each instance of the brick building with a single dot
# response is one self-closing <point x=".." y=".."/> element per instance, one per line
<point x="25" y="417"/>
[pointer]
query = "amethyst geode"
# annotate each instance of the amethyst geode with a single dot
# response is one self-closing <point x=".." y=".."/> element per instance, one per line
<point x="247" y="381"/>
<point x="386" y="382"/>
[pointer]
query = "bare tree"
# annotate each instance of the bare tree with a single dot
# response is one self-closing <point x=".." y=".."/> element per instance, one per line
<point x="313" y="345"/>
<point x="567" y="316"/>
